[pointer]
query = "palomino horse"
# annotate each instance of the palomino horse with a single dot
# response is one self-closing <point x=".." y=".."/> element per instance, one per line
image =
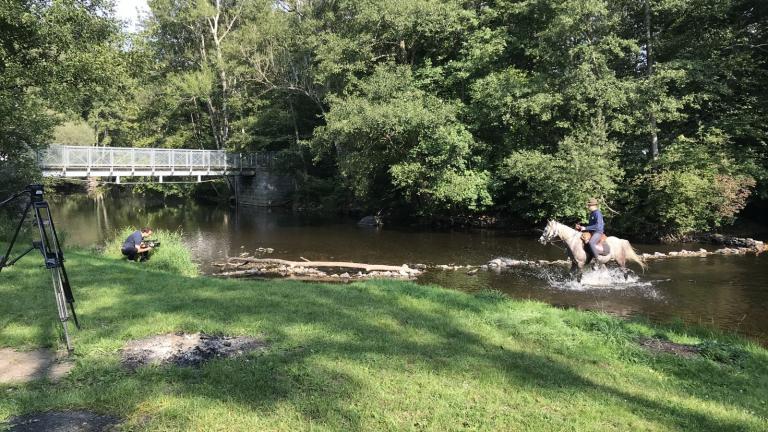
<point x="620" y="250"/>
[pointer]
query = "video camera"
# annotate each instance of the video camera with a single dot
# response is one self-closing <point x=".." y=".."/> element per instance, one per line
<point x="150" y="243"/>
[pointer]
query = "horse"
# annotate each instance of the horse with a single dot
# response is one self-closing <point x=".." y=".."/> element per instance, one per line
<point x="620" y="250"/>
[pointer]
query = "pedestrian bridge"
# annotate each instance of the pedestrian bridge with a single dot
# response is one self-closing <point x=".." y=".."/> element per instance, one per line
<point x="82" y="162"/>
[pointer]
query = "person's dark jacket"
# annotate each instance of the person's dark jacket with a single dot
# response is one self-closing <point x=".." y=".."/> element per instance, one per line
<point x="595" y="224"/>
<point x="132" y="242"/>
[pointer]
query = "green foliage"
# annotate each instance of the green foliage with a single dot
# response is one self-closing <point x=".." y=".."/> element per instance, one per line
<point x="172" y="255"/>
<point x="695" y="185"/>
<point x="558" y="185"/>
<point x="723" y="352"/>
<point x="389" y="131"/>
<point x="74" y="133"/>
<point x="491" y="295"/>
<point x="55" y="57"/>
<point x="164" y="190"/>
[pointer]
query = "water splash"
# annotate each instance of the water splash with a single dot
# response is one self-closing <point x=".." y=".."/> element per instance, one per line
<point x="601" y="279"/>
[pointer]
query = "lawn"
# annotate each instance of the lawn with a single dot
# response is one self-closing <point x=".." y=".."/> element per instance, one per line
<point x="377" y="355"/>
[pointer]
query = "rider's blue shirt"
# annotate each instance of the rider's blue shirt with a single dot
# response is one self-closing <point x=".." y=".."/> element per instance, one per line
<point x="595" y="224"/>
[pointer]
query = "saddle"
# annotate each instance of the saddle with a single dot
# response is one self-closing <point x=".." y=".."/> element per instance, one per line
<point x="602" y="246"/>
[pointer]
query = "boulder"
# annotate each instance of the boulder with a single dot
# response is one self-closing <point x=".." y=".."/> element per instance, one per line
<point x="370" y="221"/>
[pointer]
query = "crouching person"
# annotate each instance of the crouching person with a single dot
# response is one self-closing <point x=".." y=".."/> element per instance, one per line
<point x="134" y="247"/>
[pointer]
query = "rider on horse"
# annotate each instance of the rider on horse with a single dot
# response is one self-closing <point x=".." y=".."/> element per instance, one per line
<point x="595" y="226"/>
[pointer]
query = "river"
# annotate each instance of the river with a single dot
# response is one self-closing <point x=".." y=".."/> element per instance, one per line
<point x="727" y="292"/>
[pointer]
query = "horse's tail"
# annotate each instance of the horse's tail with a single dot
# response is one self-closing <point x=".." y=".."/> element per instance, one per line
<point x="631" y="255"/>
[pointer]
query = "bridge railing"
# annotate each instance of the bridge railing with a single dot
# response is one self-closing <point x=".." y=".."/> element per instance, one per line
<point x="121" y="158"/>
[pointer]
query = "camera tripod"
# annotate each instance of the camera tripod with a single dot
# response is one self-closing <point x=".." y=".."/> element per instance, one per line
<point x="50" y="248"/>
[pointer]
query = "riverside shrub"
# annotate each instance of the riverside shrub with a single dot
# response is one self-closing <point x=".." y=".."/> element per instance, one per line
<point x="693" y="190"/>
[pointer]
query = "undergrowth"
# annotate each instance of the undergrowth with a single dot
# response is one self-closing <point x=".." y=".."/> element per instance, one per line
<point x="172" y="255"/>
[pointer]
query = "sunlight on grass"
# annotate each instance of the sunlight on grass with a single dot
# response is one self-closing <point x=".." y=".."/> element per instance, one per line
<point x="377" y="355"/>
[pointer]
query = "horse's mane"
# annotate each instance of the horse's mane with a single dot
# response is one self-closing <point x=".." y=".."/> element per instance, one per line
<point x="560" y="227"/>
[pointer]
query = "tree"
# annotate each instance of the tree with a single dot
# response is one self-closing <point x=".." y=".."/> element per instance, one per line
<point x="54" y="58"/>
<point x="396" y="142"/>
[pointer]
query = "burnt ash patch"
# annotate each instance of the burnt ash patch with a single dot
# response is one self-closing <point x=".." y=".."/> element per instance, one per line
<point x="664" y="346"/>
<point x="63" y="421"/>
<point x="186" y="350"/>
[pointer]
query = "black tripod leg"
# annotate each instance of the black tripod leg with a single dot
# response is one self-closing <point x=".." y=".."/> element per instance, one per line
<point x="5" y="257"/>
<point x="65" y="279"/>
<point x="68" y="294"/>
<point x="61" y="305"/>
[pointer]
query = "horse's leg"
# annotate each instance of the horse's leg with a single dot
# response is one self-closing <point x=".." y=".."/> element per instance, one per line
<point x="580" y="270"/>
<point x="601" y="264"/>
<point x="587" y="261"/>
<point x="574" y="271"/>
<point x="621" y="259"/>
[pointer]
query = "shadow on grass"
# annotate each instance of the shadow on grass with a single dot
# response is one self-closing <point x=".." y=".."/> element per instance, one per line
<point x="314" y="332"/>
<point x="699" y="375"/>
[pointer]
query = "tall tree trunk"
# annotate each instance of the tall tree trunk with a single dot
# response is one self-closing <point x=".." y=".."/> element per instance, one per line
<point x="212" y="115"/>
<point x="304" y="173"/>
<point x="649" y="70"/>
<point x="219" y="31"/>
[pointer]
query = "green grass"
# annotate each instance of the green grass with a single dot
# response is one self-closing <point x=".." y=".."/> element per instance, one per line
<point x="378" y="355"/>
<point x="172" y="255"/>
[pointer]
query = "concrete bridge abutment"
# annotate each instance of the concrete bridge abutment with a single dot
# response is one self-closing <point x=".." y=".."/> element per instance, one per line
<point x="265" y="188"/>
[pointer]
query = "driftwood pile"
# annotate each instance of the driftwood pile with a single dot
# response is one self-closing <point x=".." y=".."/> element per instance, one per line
<point x="246" y="266"/>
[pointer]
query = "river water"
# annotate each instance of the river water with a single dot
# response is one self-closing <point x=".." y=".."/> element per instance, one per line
<point x="728" y="292"/>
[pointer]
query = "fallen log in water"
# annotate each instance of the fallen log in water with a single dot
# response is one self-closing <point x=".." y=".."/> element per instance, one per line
<point x="245" y="266"/>
<point x="239" y="261"/>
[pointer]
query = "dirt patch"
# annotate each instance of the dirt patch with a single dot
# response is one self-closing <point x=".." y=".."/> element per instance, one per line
<point x="184" y="349"/>
<point x="63" y="421"/>
<point x="25" y="366"/>
<point x="663" y="346"/>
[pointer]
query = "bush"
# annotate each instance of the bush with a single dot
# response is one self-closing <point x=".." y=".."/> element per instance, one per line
<point x="692" y="190"/>
<point x="722" y="352"/>
<point x="557" y="185"/>
<point x="172" y="255"/>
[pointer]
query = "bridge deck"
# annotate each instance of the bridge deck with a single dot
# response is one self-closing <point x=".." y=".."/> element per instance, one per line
<point x="77" y="161"/>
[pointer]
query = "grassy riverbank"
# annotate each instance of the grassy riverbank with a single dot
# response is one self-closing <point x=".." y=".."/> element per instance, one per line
<point x="378" y="355"/>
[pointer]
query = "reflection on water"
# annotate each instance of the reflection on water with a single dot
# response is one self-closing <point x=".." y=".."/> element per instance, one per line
<point x="725" y="291"/>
